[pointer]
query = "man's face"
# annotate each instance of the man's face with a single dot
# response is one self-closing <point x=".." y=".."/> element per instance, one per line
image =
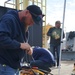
<point x="27" y="19"/>
<point x="57" y="25"/>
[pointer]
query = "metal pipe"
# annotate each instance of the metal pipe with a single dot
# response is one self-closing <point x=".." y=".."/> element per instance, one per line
<point x="6" y="2"/>
<point x="62" y="35"/>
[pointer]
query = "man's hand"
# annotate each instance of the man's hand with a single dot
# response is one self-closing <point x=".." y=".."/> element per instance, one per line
<point x="30" y="51"/>
<point x="26" y="46"/>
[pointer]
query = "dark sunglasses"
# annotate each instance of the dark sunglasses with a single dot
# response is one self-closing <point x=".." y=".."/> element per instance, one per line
<point x="38" y="17"/>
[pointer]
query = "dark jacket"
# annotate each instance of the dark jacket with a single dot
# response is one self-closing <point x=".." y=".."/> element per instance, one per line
<point x="55" y="39"/>
<point x="43" y="54"/>
<point x="12" y="33"/>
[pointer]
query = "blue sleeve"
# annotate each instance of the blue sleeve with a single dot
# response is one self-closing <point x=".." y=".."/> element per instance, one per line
<point x="6" y="24"/>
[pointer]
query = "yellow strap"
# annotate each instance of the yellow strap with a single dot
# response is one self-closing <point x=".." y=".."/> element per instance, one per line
<point x="35" y="70"/>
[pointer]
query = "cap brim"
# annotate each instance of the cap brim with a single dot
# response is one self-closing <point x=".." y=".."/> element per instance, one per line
<point x="43" y="15"/>
<point x="37" y="22"/>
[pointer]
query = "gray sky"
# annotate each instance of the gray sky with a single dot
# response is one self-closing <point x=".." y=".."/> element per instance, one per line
<point x="55" y="12"/>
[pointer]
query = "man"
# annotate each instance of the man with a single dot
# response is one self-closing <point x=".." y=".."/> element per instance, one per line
<point x="55" y="39"/>
<point x="13" y="28"/>
<point x="42" y="58"/>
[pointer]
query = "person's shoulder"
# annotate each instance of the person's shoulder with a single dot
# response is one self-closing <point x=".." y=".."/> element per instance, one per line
<point x="12" y="11"/>
<point x="52" y="28"/>
<point x="10" y="14"/>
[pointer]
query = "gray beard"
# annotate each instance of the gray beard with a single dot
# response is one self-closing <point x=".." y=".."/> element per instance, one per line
<point x="23" y="20"/>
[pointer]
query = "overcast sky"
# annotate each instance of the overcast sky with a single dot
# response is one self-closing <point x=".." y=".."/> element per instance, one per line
<point x="55" y="12"/>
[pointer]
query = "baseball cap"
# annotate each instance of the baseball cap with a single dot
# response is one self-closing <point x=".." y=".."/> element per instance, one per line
<point x="36" y="13"/>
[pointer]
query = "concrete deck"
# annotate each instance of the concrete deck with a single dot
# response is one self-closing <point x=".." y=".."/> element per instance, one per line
<point x="66" y="68"/>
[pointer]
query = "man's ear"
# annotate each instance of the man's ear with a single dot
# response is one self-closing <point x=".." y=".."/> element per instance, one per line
<point x="27" y="12"/>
